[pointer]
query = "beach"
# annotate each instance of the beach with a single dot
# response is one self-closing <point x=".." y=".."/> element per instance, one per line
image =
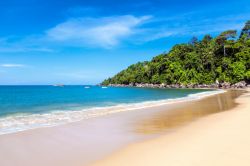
<point x="218" y="139"/>
<point x="209" y="131"/>
<point x="124" y="83"/>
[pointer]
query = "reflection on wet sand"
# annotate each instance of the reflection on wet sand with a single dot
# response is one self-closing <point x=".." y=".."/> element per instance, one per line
<point x="187" y="112"/>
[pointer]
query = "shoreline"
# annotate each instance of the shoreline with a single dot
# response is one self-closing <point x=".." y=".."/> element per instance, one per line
<point x="216" y="85"/>
<point x="85" y="142"/>
<point x="76" y="116"/>
<point x="218" y="139"/>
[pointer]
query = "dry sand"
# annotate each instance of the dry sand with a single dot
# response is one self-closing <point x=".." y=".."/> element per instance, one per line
<point x="221" y="139"/>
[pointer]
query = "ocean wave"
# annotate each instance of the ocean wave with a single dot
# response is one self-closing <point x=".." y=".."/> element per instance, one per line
<point x="21" y="122"/>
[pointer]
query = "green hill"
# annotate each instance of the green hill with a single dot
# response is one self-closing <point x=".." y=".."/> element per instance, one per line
<point x="225" y="58"/>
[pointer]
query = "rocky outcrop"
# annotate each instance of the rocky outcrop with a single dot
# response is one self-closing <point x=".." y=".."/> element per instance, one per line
<point x="217" y="85"/>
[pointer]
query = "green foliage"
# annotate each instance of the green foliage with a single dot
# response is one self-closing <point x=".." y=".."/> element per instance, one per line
<point x="246" y="30"/>
<point x="222" y="58"/>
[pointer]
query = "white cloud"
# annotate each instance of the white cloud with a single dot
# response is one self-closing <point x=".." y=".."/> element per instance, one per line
<point x="108" y="32"/>
<point x="10" y="65"/>
<point x="99" y="32"/>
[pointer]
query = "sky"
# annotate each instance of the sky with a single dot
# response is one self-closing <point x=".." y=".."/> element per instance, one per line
<point x="83" y="42"/>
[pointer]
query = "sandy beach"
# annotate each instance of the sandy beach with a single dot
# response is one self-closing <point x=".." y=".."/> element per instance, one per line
<point x="215" y="140"/>
<point x="201" y="132"/>
<point x="124" y="83"/>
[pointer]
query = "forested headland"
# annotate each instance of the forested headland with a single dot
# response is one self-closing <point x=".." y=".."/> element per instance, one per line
<point x="224" y="58"/>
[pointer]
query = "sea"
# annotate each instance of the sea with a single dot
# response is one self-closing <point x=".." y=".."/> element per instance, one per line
<point x="29" y="107"/>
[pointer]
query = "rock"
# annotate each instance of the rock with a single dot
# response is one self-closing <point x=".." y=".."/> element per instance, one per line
<point x="241" y="84"/>
<point x="162" y="85"/>
<point x="183" y="86"/>
<point x="224" y="85"/>
<point x="131" y="84"/>
<point x="189" y="86"/>
<point x="213" y="86"/>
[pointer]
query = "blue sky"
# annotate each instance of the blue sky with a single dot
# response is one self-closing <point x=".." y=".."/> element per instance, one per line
<point x="84" y="42"/>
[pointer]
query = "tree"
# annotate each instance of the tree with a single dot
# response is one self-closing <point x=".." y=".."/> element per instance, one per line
<point x="206" y="39"/>
<point x="224" y="36"/>
<point x="246" y="30"/>
<point x="193" y="41"/>
<point x="195" y="62"/>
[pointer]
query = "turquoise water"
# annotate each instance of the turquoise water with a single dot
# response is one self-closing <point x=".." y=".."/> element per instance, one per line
<point x="24" y="107"/>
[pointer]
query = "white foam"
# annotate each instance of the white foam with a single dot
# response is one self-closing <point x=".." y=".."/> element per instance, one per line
<point x="21" y="122"/>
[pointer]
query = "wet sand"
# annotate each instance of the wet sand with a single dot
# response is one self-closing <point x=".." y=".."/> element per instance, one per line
<point x="84" y="142"/>
<point x="187" y="112"/>
<point x="215" y="140"/>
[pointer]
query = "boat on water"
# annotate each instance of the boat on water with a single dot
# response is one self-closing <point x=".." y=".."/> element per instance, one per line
<point x="86" y="87"/>
<point x="59" y="85"/>
<point x="104" y="87"/>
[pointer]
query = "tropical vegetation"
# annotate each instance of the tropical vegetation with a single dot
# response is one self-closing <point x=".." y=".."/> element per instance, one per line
<point x="224" y="58"/>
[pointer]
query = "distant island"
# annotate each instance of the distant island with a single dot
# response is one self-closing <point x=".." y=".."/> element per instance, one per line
<point x="223" y="61"/>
